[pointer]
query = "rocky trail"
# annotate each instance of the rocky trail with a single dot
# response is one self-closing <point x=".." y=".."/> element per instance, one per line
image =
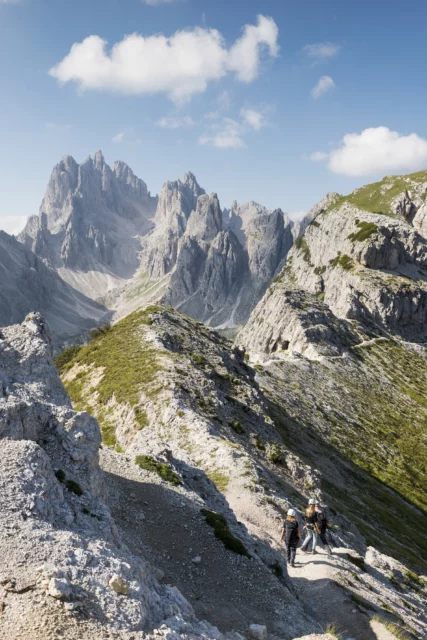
<point x="318" y="580"/>
<point x="165" y="526"/>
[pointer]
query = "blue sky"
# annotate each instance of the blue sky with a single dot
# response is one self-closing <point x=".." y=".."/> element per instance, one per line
<point x="262" y="119"/>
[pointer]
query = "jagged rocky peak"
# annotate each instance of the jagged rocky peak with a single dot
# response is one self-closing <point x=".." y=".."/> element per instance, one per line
<point x="206" y="221"/>
<point x="90" y="222"/>
<point x="177" y="200"/>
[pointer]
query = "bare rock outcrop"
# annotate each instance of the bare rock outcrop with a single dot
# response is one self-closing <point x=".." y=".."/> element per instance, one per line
<point x="64" y="566"/>
<point x="89" y="223"/>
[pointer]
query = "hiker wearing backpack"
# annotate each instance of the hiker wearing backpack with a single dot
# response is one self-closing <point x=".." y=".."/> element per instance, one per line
<point x="322" y="526"/>
<point x="291" y="534"/>
<point x="310" y="527"/>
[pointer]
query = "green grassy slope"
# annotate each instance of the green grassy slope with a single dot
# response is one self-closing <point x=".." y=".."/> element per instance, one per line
<point x="378" y="196"/>
<point x="366" y="430"/>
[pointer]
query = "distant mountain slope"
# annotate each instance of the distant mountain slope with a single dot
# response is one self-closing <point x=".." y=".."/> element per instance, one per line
<point x="89" y="223"/>
<point x="27" y="284"/>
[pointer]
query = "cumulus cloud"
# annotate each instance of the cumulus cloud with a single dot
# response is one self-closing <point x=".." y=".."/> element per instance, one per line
<point x="321" y="51"/>
<point x="324" y="85"/>
<point x="180" y="66"/>
<point x="175" y="122"/>
<point x="119" y="137"/>
<point x="378" y="150"/>
<point x="226" y="135"/>
<point x="253" y="119"/>
<point x="12" y="224"/>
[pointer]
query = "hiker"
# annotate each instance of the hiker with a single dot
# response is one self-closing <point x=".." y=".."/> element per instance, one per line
<point x="310" y="527"/>
<point x="291" y="534"/>
<point x="322" y="526"/>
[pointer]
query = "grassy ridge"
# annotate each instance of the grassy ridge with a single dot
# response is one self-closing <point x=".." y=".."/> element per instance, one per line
<point x="378" y="196"/>
<point x="128" y="367"/>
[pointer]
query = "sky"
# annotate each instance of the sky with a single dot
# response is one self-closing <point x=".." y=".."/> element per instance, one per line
<point x="277" y="101"/>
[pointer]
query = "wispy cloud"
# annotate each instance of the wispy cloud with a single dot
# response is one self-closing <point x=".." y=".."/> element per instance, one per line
<point x="180" y="66"/>
<point x="119" y="137"/>
<point x="253" y="119"/>
<point x="318" y="156"/>
<point x="324" y="85"/>
<point x="376" y="151"/>
<point x="225" y="135"/>
<point x="321" y="51"/>
<point x="173" y="122"/>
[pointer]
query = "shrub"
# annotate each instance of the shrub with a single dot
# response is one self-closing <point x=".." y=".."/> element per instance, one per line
<point x="259" y="443"/>
<point x="366" y="229"/>
<point x="60" y="475"/>
<point x="141" y="417"/>
<point x="277" y="569"/>
<point x="413" y="580"/>
<point x="222" y="532"/>
<point x="200" y="360"/>
<point x="161" y="468"/>
<point x="236" y="426"/>
<point x="74" y="487"/>
<point x="274" y="455"/>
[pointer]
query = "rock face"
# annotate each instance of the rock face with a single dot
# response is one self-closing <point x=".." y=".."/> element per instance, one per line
<point x="27" y="284"/>
<point x="176" y="202"/>
<point x="365" y="267"/>
<point x="222" y="268"/>
<point x="89" y="223"/>
<point x="64" y="567"/>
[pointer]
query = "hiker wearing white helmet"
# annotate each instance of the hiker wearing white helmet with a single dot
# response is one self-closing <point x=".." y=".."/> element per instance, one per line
<point x="310" y="527"/>
<point x="291" y="534"/>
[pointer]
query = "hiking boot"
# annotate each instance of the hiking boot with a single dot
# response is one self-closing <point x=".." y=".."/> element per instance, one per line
<point x="292" y="564"/>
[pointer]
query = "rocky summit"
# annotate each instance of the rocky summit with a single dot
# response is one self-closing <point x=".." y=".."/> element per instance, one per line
<point x="146" y="471"/>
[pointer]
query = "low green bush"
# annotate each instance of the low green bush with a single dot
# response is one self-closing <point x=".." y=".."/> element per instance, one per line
<point x="161" y="468"/>
<point x="222" y="532"/>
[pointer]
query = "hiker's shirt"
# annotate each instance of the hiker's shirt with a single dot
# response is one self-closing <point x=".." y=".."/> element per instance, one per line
<point x="291" y="532"/>
<point x="310" y="521"/>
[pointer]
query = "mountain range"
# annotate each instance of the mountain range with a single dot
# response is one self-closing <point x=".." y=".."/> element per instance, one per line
<point x="145" y="478"/>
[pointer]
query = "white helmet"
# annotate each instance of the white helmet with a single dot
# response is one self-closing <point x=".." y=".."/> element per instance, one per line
<point x="292" y="512"/>
<point x="312" y="501"/>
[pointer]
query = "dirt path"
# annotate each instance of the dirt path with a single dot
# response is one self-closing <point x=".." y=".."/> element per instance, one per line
<point x="316" y="578"/>
<point x="164" y="525"/>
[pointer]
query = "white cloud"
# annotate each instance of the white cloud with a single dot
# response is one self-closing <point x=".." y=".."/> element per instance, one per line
<point x="378" y="150"/>
<point x="253" y="119"/>
<point x="175" y="122"/>
<point x="324" y="85"/>
<point x="118" y="138"/>
<point x="12" y="224"/>
<point x="227" y="135"/>
<point x="321" y="51"/>
<point x="318" y="156"/>
<point x="181" y="65"/>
